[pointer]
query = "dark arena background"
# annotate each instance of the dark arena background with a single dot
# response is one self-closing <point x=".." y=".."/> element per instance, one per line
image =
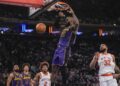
<point x="20" y="43"/>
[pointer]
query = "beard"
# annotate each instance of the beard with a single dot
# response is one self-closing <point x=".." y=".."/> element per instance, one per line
<point x="26" y="70"/>
<point x="17" y="71"/>
<point x="103" y="50"/>
<point x="44" y="71"/>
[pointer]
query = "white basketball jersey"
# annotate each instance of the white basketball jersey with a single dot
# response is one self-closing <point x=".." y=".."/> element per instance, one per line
<point x="45" y="80"/>
<point x="106" y="64"/>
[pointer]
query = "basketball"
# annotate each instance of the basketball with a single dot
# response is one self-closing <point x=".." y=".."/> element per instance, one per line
<point x="40" y="27"/>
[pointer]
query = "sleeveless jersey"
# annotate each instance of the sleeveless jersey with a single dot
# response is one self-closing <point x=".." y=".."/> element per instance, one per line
<point x="45" y="80"/>
<point x="26" y="79"/>
<point x="65" y="41"/>
<point x="17" y="80"/>
<point x="106" y="64"/>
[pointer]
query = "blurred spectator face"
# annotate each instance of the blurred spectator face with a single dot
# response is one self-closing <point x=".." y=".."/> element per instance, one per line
<point x="16" y="68"/>
<point x="26" y="68"/>
<point x="44" y="68"/>
<point x="103" y="47"/>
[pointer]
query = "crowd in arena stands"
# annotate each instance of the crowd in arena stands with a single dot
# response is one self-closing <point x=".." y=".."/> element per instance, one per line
<point x="105" y="20"/>
<point x="18" y="49"/>
<point x="13" y="11"/>
<point x="22" y="13"/>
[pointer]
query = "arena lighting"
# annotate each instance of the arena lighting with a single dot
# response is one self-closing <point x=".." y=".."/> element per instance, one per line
<point x="57" y="32"/>
<point x="4" y="29"/>
<point x="79" y="33"/>
<point x="105" y="34"/>
<point x="95" y="34"/>
<point x="2" y="32"/>
<point x="25" y="29"/>
<point x="22" y="33"/>
<point x="114" y="25"/>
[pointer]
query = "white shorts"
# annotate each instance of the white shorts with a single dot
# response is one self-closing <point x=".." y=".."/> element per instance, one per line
<point x="111" y="82"/>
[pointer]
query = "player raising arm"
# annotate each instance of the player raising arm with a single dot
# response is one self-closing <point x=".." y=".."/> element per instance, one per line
<point x="107" y="67"/>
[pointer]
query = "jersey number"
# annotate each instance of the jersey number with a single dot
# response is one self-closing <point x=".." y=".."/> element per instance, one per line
<point x="107" y="62"/>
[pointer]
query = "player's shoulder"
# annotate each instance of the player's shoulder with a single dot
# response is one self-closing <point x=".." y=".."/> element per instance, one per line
<point x="11" y="74"/>
<point x="111" y="54"/>
<point x="49" y="73"/>
<point x="38" y="74"/>
<point x="97" y="54"/>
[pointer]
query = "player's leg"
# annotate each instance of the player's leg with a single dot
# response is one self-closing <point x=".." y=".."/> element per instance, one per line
<point x="64" y="67"/>
<point x="103" y="83"/>
<point x="57" y="62"/>
<point x="112" y="82"/>
<point x="55" y="70"/>
<point x="55" y="66"/>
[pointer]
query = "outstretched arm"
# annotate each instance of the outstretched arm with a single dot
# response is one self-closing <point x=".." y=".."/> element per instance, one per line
<point x="58" y="6"/>
<point x="75" y="19"/>
<point x="75" y="24"/>
<point x="94" y="60"/>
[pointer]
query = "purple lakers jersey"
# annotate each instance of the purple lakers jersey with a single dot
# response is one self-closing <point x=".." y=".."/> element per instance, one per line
<point x="65" y="41"/>
<point x="26" y="79"/>
<point x="17" y="80"/>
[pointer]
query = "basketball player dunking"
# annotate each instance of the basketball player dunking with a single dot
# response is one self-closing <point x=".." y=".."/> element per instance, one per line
<point x="43" y="77"/>
<point x="68" y="36"/>
<point x="107" y="67"/>
<point x="14" y="78"/>
<point x="26" y="75"/>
